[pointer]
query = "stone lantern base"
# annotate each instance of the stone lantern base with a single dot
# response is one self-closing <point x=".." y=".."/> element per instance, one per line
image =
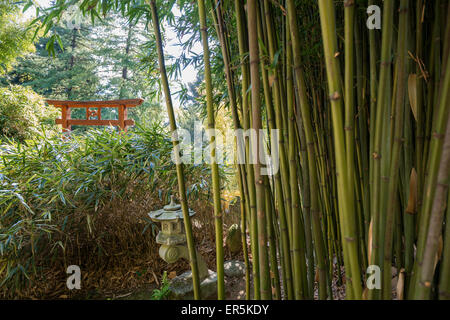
<point x="181" y="286"/>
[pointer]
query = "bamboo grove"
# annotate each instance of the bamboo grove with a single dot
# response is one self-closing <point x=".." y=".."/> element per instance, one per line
<point x="364" y="143"/>
<point x="363" y="177"/>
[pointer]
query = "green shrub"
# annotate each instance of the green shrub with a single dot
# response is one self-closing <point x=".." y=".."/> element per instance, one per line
<point x="23" y="112"/>
<point x="15" y="37"/>
<point x="164" y="292"/>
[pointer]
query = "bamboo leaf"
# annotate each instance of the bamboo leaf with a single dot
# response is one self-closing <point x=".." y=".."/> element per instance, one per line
<point x="401" y="284"/>
<point x="412" y="92"/>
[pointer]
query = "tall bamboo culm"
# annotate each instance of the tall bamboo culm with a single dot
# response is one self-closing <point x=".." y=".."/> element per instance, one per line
<point x="214" y="166"/>
<point x="179" y="165"/>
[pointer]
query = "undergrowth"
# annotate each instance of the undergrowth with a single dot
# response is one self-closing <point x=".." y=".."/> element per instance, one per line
<point x="84" y="200"/>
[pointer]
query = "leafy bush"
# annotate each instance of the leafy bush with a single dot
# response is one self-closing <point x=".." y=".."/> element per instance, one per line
<point x="84" y="198"/>
<point x="23" y="112"/>
<point x="15" y="38"/>
<point x="164" y="292"/>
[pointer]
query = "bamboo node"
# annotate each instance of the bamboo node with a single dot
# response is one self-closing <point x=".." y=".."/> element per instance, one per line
<point x="350" y="239"/>
<point x="335" y="96"/>
<point x="376" y="155"/>
<point x="437" y="135"/>
<point x="444" y="293"/>
<point x="349" y="3"/>
<point x="442" y="184"/>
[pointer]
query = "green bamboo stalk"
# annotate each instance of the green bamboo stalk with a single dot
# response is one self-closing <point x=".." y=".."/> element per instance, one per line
<point x="179" y="165"/>
<point x="231" y="94"/>
<point x="303" y="169"/>
<point x="214" y="166"/>
<point x="380" y="116"/>
<point x="426" y="267"/>
<point x="433" y="69"/>
<point x="306" y="202"/>
<point x="272" y="243"/>
<point x="397" y="145"/>
<point x="362" y="140"/>
<point x="243" y="51"/>
<point x="306" y="117"/>
<point x="420" y="121"/>
<point x="349" y="12"/>
<point x="244" y="211"/>
<point x="349" y="126"/>
<point x="440" y="116"/>
<point x="285" y="244"/>
<point x="252" y="12"/>
<point x="373" y="58"/>
<point x="279" y="117"/>
<point x="297" y="223"/>
<point x="345" y="193"/>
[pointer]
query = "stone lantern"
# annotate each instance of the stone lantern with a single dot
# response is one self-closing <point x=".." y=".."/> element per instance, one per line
<point x="172" y="239"/>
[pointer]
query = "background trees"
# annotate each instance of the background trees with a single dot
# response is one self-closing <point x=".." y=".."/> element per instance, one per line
<point x="15" y="39"/>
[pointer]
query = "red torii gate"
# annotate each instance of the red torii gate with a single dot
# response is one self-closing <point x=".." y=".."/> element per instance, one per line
<point x="94" y="112"/>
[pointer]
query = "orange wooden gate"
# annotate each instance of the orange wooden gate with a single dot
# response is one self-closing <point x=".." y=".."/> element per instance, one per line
<point x="94" y="113"/>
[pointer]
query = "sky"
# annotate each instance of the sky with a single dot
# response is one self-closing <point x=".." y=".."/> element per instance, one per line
<point x="172" y="48"/>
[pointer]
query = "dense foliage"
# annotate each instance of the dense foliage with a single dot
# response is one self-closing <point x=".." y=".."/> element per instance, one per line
<point x="23" y="113"/>
<point x="15" y="38"/>
<point x="86" y="189"/>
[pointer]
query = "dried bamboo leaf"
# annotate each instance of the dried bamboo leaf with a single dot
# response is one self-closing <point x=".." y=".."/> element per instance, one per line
<point x="412" y="92"/>
<point x="412" y="199"/>
<point x="401" y="284"/>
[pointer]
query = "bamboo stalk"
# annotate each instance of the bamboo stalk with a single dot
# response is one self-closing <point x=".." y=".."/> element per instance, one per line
<point x="214" y="166"/>
<point x="285" y="244"/>
<point x="423" y="286"/>
<point x="231" y="93"/>
<point x="243" y="51"/>
<point x="276" y="286"/>
<point x="397" y="145"/>
<point x="444" y="279"/>
<point x="179" y="165"/>
<point x="345" y="193"/>
<point x="388" y="12"/>
<point x="305" y="112"/>
<point x="252" y="9"/>
<point x="441" y="114"/>
<point x="297" y="223"/>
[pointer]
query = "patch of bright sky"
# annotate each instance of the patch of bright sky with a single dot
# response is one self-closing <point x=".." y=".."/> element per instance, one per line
<point x="172" y="48"/>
